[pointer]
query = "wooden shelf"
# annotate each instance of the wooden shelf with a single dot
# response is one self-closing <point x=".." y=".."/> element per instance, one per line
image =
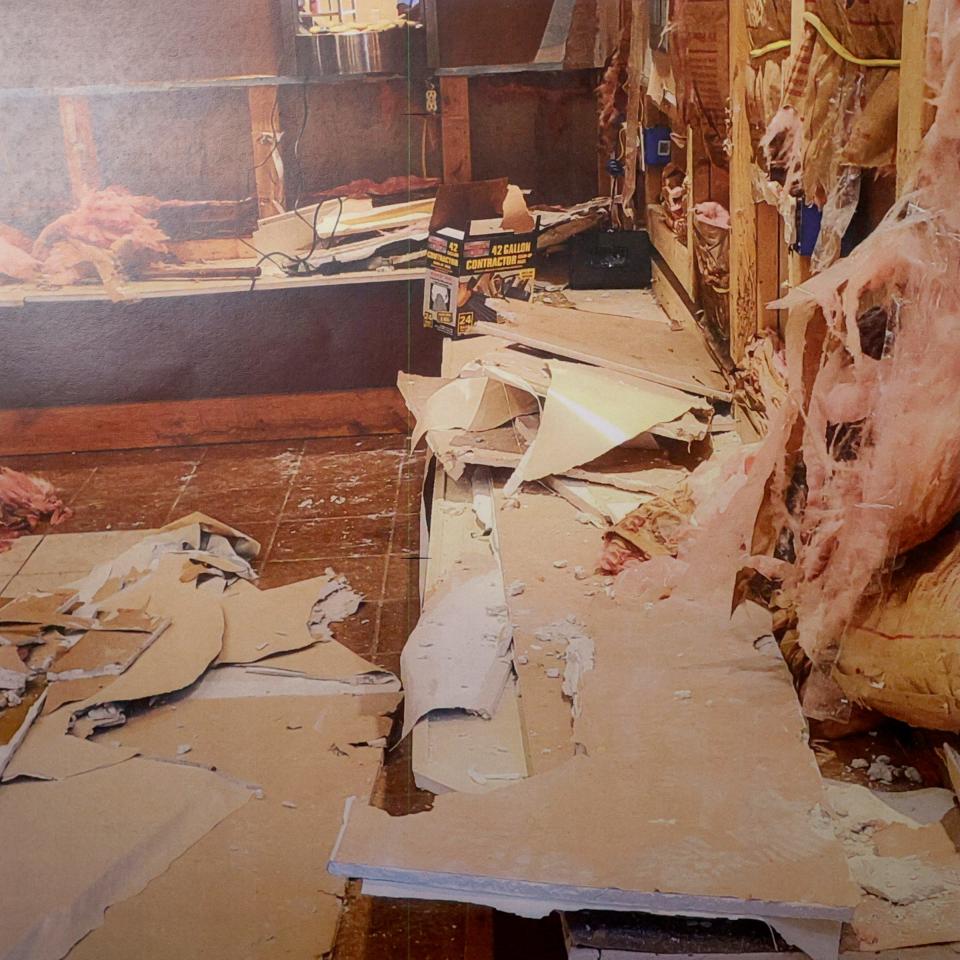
<point x="15" y="295"/>
<point x="164" y="86"/>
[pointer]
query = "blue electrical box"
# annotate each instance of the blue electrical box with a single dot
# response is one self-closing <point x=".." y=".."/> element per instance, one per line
<point x="809" y="219"/>
<point x="656" y="146"/>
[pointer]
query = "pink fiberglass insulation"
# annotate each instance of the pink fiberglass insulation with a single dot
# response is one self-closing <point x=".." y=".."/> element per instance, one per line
<point x="103" y="217"/>
<point x="109" y="229"/>
<point x="24" y="502"/>
<point x="16" y="263"/>
<point x="880" y="444"/>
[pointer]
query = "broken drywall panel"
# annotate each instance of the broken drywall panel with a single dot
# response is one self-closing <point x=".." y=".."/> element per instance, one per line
<point x="726" y="820"/>
<point x="38" y="610"/>
<point x="224" y="683"/>
<point x="475" y="403"/>
<point x="452" y="749"/>
<point x="455" y="450"/>
<point x="50" y="752"/>
<point x="459" y="654"/>
<point x="127" y="824"/>
<point x="647" y="349"/>
<point x="183" y="651"/>
<point x="265" y="890"/>
<point x="544" y="552"/>
<point x="104" y="653"/>
<point x="14" y="673"/>
<point x="17" y="723"/>
<point x="607" y="505"/>
<point x="589" y="411"/>
<point x="260" y="623"/>
<point x="62" y="692"/>
<point x="905" y="862"/>
<point x="458" y="353"/>
<point x="196" y="536"/>
<point x="470" y="754"/>
<point x="634" y="304"/>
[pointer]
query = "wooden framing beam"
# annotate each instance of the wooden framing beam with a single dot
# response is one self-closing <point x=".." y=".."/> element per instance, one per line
<point x="455" y="129"/>
<point x="639" y="32"/>
<point x="743" y="211"/>
<point x="768" y="264"/>
<point x="915" y="112"/>
<point x="265" y="136"/>
<point x="79" y="145"/>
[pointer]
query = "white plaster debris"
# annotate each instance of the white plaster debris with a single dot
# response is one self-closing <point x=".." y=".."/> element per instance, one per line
<point x="523" y="659"/>
<point x="882" y="770"/>
<point x="289" y="804"/>
<point x="580" y="573"/>
<point x="184" y="748"/>
<point x="553" y="673"/>
<point x="516" y="588"/>
<point x="859" y="764"/>
<point x="682" y="694"/>
<point x="560" y="564"/>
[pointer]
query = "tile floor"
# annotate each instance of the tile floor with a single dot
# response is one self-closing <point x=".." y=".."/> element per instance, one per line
<point x="349" y="503"/>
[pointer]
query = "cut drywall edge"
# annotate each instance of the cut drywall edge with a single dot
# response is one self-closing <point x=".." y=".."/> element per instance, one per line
<point x="537" y="900"/>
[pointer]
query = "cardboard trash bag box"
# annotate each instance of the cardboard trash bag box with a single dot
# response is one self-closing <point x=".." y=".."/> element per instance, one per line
<point x="482" y="243"/>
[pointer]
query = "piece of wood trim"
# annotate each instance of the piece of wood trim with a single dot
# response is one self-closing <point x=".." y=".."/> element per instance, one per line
<point x="915" y="112"/>
<point x="17" y="294"/>
<point x="743" y="210"/>
<point x="432" y="24"/>
<point x="80" y="145"/>
<point x="263" y="107"/>
<point x="455" y="129"/>
<point x="768" y="264"/>
<point x="211" y="420"/>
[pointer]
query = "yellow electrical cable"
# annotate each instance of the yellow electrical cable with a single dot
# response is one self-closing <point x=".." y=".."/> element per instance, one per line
<point x="838" y="48"/>
<point x="833" y="43"/>
<point x="770" y="48"/>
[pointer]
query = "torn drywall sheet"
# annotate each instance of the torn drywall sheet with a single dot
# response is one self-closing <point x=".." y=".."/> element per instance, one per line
<point x="589" y="411"/>
<point x="126" y="825"/>
<point x="469" y="754"/>
<point x="647" y="349"/>
<point x="50" y="752"/>
<point x="261" y="870"/>
<point x="470" y="404"/>
<point x="13" y="671"/>
<point x="17" y="722"/>
<point x="452" y="750"/>
<point x="745" y="842"/>
<point x="183" y="651"/>
<point x="458" y="655"/>
<point x="907" y="867"/>
<point x="104" y="653"/>
<point x="604" y="505"/>
<point x="260" y="623"/>
<point x="211" y="543"/>
<point x="458" y="353"/>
